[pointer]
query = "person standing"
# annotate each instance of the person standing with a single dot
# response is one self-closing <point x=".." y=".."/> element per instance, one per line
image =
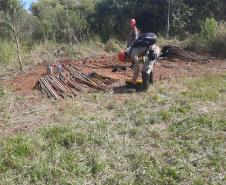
<point x="134" y="33"/>
<point x="133" y="36"/>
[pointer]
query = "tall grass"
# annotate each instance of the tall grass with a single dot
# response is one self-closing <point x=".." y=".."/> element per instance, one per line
<point x="7" y="52"/>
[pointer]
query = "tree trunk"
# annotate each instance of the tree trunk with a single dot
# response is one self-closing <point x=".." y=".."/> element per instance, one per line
<point x="168" y="19"/>
<point x="18" y="50"/>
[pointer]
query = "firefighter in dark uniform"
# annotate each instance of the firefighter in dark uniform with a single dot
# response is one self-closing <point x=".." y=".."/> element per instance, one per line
<point x="143" y="51"/>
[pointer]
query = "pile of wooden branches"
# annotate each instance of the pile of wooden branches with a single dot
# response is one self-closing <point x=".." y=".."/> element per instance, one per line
<point x="71" y="82"/>
<point x="170" y="50"/>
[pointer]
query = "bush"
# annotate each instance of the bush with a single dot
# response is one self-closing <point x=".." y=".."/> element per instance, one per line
<point x="218" y="43"/>
<point x="202" y="40"/>
<point x="212" y="38"/>
<point x="208" y="28"/>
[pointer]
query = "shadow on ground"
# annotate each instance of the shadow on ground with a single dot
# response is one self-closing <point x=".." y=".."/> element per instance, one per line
<point x="124" y="89"/>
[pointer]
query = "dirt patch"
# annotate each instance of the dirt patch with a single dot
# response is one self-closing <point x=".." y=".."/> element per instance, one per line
<point x="34" y="111"/>
<point x="181" y="67"/>
<point x="175" y="67"/>
<point x="25" y="82"/>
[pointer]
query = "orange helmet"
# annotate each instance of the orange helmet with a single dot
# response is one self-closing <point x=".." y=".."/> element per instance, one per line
<point x="122" y="56"/>
<point x="132" y="23"/>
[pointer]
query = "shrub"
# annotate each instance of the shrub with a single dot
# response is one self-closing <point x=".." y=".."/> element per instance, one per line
<point x="218" y="43"/>
<point x="202" y="40"/>
<point x="208" y="28"/>
<point x="212" y="38"/>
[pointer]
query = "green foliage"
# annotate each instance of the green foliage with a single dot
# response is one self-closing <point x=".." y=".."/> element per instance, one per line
<point x="218" y="43"/>
<point x="75" y="21"/>
<point x="181" y="17"/>
<point x="12" y="17"/>
<point x="10" y="6"/>
<point x="63" y="21"/>
<point x="208" y="28"/>
<point x="211" y="38"/>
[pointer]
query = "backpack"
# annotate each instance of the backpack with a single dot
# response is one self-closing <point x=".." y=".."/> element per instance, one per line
<point x="145" y="40"/>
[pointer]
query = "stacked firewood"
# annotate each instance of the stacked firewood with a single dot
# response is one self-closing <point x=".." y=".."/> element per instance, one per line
<point x="70" y="82"/>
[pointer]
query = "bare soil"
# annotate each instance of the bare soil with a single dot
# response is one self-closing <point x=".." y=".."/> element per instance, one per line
<point x="174" y="67"/>
<point x="35" y="111"/>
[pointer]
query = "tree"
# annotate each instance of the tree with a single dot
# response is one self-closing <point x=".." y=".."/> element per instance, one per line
<point x="63" y="20"/>
<point x="168" y="18"/>
<point x="11" y="16"/>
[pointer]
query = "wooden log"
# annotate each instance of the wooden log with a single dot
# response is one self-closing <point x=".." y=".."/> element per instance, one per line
<point x="57" y="89"/>
<point x="64" y="87"/>
<point x="49" y="87"/>
<point x="71" y="78"/>
<point x="52" y="91"/>
<point x="73" y="83"/>
<point x="67" y="91"/>
<point x="57" y="86"/>
<point x="45" y="90"/>
<point x="189" y="55"/>
<point x="84" y="76"/>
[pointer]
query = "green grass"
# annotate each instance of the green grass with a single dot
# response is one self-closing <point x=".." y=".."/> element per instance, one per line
<point x="207" y="89"/>
<point x="159" y="137"/>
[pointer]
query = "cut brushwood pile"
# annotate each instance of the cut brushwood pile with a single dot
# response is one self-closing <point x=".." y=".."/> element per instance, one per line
<point x="71" y="81"/>
<point x="170" y="50"/>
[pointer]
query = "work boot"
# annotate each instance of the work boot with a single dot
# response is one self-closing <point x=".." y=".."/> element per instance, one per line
<point x="151" y="78"/>
<point x="145" y="79"/>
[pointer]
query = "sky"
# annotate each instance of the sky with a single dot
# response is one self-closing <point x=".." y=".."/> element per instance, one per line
<point x="27" y="3"/>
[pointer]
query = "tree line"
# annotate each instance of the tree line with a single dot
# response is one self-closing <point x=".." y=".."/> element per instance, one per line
<point x="78" y="20"/>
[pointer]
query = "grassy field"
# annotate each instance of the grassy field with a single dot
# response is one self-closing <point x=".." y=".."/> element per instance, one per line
<point x="174" y="134"/>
